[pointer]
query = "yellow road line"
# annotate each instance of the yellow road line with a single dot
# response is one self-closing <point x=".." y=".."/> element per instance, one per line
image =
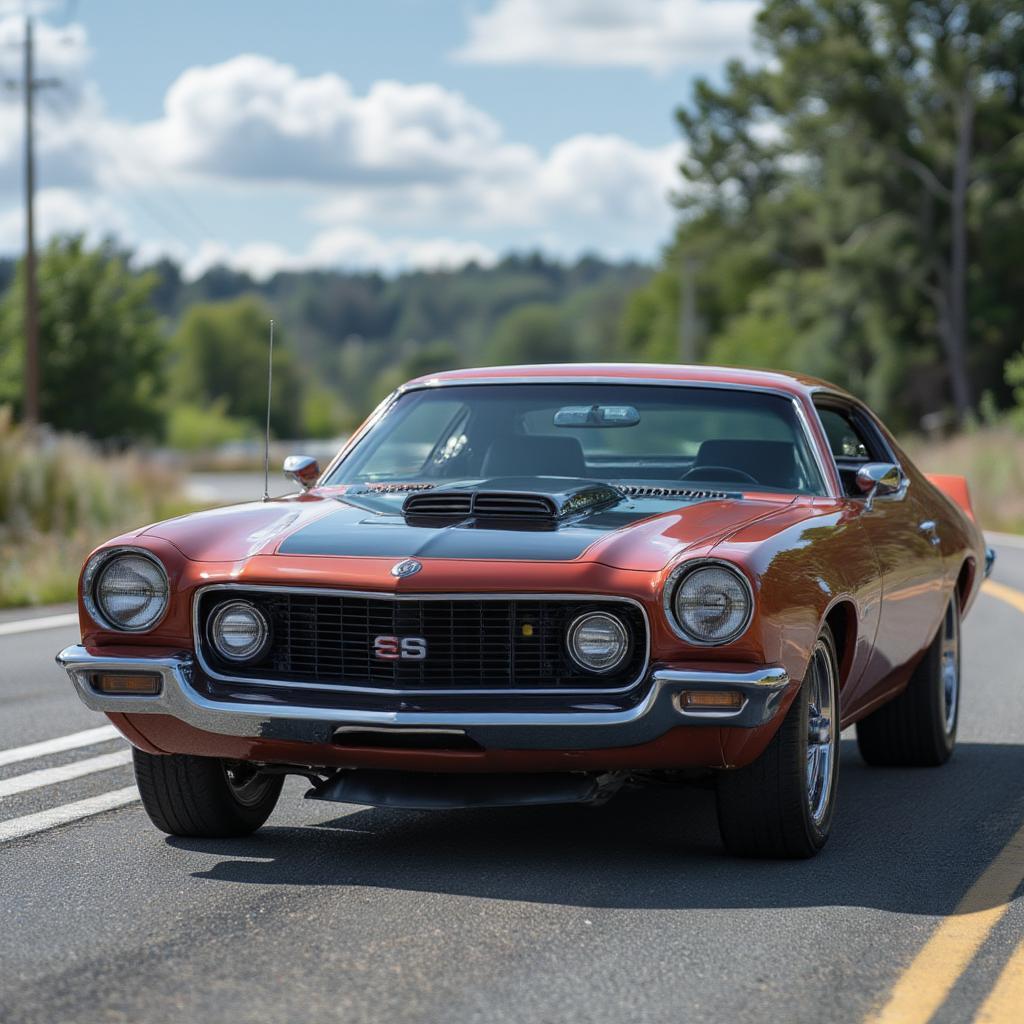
<point x="1004" y="593"/>
<point x="924" y="985"/>
<point x="1005" y="1002"/>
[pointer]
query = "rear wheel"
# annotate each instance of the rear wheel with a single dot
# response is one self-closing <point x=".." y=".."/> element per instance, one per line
<point x="782" y="804"/>
<point x="204" y="796"/>
<point x="918" y="728"/>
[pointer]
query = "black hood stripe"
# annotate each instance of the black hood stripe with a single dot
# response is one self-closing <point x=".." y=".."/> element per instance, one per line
<point x="351" y="532"/>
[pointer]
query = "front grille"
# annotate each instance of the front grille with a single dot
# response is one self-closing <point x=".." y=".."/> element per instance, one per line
<point x="484" y="645"/>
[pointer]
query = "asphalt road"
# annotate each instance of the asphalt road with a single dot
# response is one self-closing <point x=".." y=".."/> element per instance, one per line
<point x="628" y="912"/>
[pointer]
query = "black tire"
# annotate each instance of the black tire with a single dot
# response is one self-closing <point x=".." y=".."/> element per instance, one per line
<point x="918" y="728"/>
<point x="765" y="809"/>
<point x="204" y="797"/>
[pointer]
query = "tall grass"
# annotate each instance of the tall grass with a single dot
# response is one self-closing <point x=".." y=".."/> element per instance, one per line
<point x="59" y="498"/>
<point x="992" y="460"/>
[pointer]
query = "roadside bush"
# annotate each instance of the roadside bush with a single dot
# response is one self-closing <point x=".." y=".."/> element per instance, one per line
<point x="59" y="498"/>
<point x="192" y="428"/>
<point x="992" y="460"/>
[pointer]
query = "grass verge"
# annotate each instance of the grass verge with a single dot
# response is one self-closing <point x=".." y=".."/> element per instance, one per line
<point x="992" y="460"/>
<point x="59" y="498"/>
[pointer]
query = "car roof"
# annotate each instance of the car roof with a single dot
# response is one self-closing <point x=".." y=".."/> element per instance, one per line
<point x="792" y="383"/>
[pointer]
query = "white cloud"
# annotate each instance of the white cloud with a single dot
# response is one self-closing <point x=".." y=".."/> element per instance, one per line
<point x="588" y="189"/>
<point x="64" y="211"/>
<point x="400" y="176"/>
<point x="254" y="118"/>
<point x="66" y="109"/>
<point x="59" y="51"/>
<point x="658" y="35"/>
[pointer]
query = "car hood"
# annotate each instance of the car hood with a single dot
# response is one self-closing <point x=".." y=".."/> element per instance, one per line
<point x="643" y="532"/>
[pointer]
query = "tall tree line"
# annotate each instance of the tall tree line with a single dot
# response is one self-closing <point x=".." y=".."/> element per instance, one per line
<point x="851" y="204"/>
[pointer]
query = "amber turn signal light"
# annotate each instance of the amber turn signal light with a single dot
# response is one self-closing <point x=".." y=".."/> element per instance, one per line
<point x="143" y="684"/>
<point x="710" y="700"/>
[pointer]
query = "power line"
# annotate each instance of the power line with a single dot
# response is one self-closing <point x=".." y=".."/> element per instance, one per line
<point x="142" y="201"/>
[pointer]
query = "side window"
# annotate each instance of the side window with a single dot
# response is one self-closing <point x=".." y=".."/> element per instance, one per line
<point x="851" y="443"/>
<point x="845" y="440"/>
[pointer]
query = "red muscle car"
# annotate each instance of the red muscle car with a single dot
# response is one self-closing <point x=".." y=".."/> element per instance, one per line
<point x="535" y="584"/>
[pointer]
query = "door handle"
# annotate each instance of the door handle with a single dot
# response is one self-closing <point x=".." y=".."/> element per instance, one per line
<point x="929" y="527"/>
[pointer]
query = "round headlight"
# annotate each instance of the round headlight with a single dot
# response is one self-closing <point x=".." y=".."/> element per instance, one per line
<point x="125" y="590"/>
<point x="708" y="603"/>
<point x="598" y="642"/>
<point x="239" y="631"/>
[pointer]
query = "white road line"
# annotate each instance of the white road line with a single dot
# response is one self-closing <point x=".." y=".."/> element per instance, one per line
<point x="28" y="824"/>
<point x="63" y="773"/>
<point x="74" y="739"/>
<point x="44" y="622"/>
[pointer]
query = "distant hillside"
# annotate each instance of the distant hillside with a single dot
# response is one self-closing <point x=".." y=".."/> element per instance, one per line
<point x="359" y="332"/>
<point x="347" y="338"/>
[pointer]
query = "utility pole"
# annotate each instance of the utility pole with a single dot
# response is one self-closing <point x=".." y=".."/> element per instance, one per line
<point x="29" y="84"/>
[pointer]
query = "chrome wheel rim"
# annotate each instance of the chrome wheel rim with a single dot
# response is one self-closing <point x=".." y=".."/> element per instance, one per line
<point x="821" y="732"/>
<point x="950" y="666"/>
<point x="247" y="783"/>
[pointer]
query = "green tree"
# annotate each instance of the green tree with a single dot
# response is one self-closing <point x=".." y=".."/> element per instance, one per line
<point x="219" y="360"/>
<point x="861" y="186"/>
<point x="101" y="349"/>
<point x="417" y="362"/>
<point x="532" y="334"/>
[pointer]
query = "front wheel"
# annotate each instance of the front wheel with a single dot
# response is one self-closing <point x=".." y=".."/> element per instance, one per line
<point x="918" y="728"/>
<point x="782" y="804"/>
<point x="204" y="797"/>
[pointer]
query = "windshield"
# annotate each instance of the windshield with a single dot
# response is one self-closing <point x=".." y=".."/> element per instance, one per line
<point x="619" y="433"/>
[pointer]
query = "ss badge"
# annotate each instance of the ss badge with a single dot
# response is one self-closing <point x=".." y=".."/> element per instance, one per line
<point x="406" y="648"/>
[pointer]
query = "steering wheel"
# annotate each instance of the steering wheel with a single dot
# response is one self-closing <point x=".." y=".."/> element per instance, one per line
<point x="718" y="473"/>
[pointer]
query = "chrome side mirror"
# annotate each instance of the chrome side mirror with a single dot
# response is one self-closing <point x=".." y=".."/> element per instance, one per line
<point x="303" y="469"/>
<point x="877" y="479"/>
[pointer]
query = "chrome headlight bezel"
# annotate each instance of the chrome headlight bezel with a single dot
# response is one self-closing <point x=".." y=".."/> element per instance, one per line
<point x="579" y="622"/>
<point x="265" y="633"/>
<point x="92" y="574"/>
<point x="677" y="577"/>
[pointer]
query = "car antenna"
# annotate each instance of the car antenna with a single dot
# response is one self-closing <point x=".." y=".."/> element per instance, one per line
<point x="266" y="437"/>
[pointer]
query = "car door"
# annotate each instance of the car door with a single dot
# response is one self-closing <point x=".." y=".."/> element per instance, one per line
<point x="903" y="540"/>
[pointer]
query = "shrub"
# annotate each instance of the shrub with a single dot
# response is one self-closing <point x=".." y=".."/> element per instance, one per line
<point x="59" y="498"/>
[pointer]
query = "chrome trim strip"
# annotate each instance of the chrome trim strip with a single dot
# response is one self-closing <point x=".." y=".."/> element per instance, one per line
<point x="198" y="634"/>
<point x="826" y="477"/>
<point x="658" y="712"/>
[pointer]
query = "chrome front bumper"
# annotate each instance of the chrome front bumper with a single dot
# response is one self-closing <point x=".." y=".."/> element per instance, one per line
<point x="578" y="729"/>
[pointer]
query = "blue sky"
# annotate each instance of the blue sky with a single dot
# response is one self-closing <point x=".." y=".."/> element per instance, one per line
<point x="362" y="134"/>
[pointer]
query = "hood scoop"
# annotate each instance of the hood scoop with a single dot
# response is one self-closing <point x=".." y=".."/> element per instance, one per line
<point x="512" y="501"/>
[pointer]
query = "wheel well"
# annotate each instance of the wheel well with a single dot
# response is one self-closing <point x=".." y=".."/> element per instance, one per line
<point x="842" y="620"/>
<point x="964" y="582"/>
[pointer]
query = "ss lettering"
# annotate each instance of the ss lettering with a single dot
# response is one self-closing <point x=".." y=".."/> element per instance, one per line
<point x="406" y="648"/>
